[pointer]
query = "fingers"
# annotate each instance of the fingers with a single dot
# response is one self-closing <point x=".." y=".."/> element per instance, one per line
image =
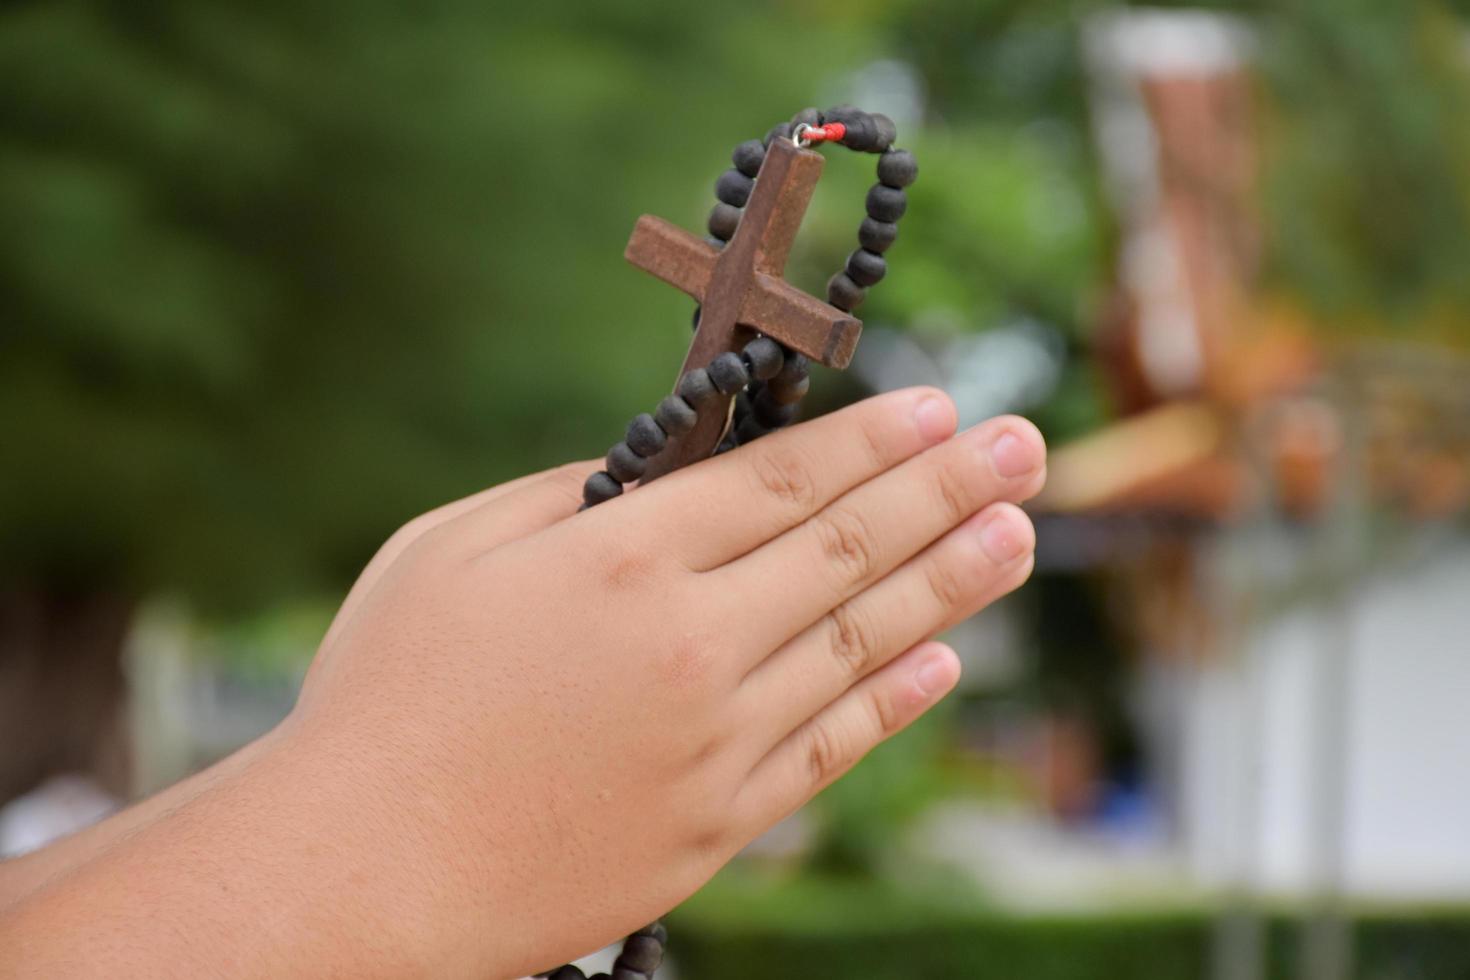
<point x="876" y="527"/>
<point x="721" y="508"/>
<point x="833" y="741"/>
<point x="969" y="568"/>
<point x="524" y="513"/>
<point x="526" y="509"/>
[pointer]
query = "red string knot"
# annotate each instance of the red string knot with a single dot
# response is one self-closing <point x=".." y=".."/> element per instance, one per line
<point x="806" y="135"/>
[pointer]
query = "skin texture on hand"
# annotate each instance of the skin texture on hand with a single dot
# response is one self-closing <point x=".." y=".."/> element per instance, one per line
<point x="530" y="731"/>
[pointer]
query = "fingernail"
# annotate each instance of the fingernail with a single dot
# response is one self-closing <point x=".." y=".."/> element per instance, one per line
<point x="1011" y="456"/>
<point x="999" y="540"/>
<point x="935" y="677"/>
<point x="933" y="418"/>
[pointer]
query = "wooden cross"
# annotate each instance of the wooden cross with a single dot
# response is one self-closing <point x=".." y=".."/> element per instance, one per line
<point x="740" y="288"/>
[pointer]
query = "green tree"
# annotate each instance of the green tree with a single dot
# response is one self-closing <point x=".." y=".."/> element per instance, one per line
<point x="277" y="276"/>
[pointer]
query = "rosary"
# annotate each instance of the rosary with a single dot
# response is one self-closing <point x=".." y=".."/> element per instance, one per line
<point x="754" y="333"/>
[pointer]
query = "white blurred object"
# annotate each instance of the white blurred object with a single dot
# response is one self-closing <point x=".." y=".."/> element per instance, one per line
<point x="1125" y="51"/>
<point x="1406" y="804"/>
<point x="893" y="88"/>
<point x="1038" y="865"/>
<point x="1189" y="43"/>
<point x="62" y="805"/>
<point x="1011" y="368"/>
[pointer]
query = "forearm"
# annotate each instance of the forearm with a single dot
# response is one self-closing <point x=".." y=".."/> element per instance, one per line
<point x="21" y="876"/>
<point x="290" y="866"/>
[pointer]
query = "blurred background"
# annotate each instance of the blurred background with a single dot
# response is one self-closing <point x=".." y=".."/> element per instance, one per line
<point x="275" y="277"/>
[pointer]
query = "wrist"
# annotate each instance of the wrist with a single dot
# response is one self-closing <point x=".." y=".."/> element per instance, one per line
<point x="389" y="847"/>
<point x="303" y="861"/>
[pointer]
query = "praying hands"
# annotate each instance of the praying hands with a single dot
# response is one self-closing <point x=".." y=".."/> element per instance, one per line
<point x="529" y="730"/>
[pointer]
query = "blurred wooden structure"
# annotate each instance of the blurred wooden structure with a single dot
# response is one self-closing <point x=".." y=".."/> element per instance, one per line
<point x="1199" y="360"/>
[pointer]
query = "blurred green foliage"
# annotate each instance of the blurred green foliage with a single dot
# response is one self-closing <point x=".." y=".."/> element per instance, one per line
<point x="749" y="922"/>
<point x="714" y="940"/>
<point x="276" y="276"/>
<point x="1367" y="169"/>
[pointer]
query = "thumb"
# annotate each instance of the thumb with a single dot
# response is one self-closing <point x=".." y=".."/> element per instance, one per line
<point x="497" y="516"/>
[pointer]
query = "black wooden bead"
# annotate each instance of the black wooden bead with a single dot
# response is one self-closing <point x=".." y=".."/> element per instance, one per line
<point x="845" y="294"/>
<point x="749" y="430"/>
<point x="876" y="236"/>
<point x="764" y="358"/>
<point x="886" y="203"/>
<point x="696" y="388"/>
<point x="780" y="129"/>
<point x="887" y="132"/>
<point x="843" y="113"/>
<point x="600" y="487"/>
<point x="862" y="133"/>
<point x="568" y="972"/>
<point x="645" y="437"/>
<point x="623" y="973"/>
<point x="866" y="268"/>
<point x="771" y="413"/>
<point x="723" y="220"/>
<point x="812" y="116"/>
<point x="734" y="187"/>
<point x="675" y="416"/>
<point x="623" y="464"/>
<point x="897" y="168"/>
<point x="641" y="953"/>
<point x="788" y="392"/>
<point x="656" y="930"/>
<point x="728" y="373"/>
<point x="600" y="976"/>
<point x="795" y="368"/>
<point x="748" y="157"/>
<point x="716" y="243"/>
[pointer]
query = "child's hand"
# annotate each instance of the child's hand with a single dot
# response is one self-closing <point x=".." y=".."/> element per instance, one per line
<point x="583" y="716"/>
<point x="530" y="731"/>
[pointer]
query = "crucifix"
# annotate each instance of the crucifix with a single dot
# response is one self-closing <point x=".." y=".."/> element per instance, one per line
<point x="755" y="330"/>
<point x="741" y="289"/>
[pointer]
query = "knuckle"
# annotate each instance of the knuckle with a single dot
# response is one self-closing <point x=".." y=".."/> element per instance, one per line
<point x="953" y="492"/>
<point x="783" y="473"/>
<point x="626" y="568"/>
<point x="706" y="751"/>
<point x="847" y="541"/>
<point x="713" y="824"/>
<point x="945" y="583"/>
<point x="884" y="715"/>
<point x="824" y="753"/>
<point x="687" y="664"/>
<point x="870" y="431"/>
<point x="710" y="845"/>
<point x="854" y="639"/>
